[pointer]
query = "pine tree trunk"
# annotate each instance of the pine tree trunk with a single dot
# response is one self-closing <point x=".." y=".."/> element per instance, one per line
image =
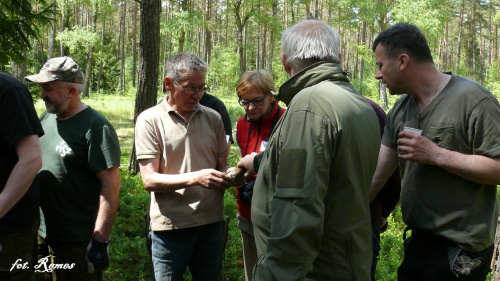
<point x="90" y="60"/>
<point x="62" y="29"/>
<point x="445" y="50"/>
<point x="257" y="61"/>
<point x="245" y="49"/>
<point x="182" y="36"/>
<point x="362" y="61"/>
<point x="460" y="24"/>
<point x="122" y="48"/>
<point x="88" y="72"/>
<point x="264" y="46"/>
<point x="134" y="47"/>
<point x="149" y="54"/>
<point x="383" y="95"/>
<point x="272" y="36"/>
<point x="241" y="50"/>
<point x="168" y="35"/>
<point x="100" y="58"/>
<point x="208" y="33"/>
<point x="19" y="71"/>
<point x="52" y="36"/>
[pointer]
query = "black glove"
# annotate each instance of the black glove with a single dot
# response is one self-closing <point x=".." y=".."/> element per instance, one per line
<point x="97" y="255"/>
<point x="464" y="265"/>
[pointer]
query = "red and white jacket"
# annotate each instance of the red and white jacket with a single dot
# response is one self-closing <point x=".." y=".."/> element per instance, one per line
<point x="253" y="137"/>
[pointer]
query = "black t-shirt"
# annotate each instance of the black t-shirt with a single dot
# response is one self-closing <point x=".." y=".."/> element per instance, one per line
<point x="217" y="105"/>
<point x="18" y="119"/>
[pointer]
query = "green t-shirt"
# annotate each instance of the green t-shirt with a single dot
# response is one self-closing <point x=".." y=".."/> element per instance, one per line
<point x="73" y="150"/>
<point x="464" y="117"/>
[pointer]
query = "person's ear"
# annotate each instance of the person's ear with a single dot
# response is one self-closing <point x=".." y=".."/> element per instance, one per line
<point x="72" y="91"/>
<point x="168" y="84"/>
<point x="286" y="65"/>
<point x="403" y="60"/>
<point x="340" y="58"/>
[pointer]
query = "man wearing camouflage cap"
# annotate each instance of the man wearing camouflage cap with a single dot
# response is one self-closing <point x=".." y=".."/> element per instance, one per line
<point x="79" y="179"/>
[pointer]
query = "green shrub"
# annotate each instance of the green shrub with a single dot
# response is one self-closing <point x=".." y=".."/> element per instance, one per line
<point x="391" y="247"/>
<point x="129" y="259"/>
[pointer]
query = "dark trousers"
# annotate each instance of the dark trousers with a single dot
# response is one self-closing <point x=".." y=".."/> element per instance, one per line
<point x="376" y="248"/>
<point x="18" y="254"/>
<point x="70" y="258"/>
<point x="431" y="258"/>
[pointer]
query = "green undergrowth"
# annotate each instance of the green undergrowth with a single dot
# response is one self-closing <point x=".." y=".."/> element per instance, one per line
<point x="129" y="258"/>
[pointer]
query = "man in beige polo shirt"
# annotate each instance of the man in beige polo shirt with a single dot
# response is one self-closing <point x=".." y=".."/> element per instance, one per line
<point x="181" y="147"/>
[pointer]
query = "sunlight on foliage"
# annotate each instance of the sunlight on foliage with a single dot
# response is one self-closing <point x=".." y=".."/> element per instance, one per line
<point x="78" y="37"/>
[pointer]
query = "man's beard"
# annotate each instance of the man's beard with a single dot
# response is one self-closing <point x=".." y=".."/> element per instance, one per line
<point x="56" y="109"/>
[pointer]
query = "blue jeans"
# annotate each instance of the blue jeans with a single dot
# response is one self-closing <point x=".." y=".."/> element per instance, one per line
<point x="198" y="247"/>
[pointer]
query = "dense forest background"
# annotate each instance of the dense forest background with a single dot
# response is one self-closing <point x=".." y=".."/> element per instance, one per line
<point x="237" y="35"/>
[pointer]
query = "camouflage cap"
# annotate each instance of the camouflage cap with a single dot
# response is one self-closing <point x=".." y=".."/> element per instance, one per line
<point x="58" y="69"/>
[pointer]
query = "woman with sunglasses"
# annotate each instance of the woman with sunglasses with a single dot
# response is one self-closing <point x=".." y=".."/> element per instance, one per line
<point x="255" y="94"/>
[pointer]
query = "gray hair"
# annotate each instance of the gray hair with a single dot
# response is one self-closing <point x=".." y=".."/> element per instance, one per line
<point x="65" y="85"/>
<point x="308" y="42"/>
<point x="185" y="62"/>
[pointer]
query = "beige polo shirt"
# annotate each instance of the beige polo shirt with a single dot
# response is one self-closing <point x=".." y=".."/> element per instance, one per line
<point x="182" y="147"/>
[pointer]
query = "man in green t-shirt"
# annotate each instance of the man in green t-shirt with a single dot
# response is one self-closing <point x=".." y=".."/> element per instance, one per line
<point x="79" y="179"/>
<point x="443" y="131"/>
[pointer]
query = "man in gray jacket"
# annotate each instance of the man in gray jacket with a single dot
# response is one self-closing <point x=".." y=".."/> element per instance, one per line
<point x="310" y="203"/>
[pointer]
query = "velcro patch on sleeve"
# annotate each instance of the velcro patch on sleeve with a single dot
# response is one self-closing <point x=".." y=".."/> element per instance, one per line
<point x="292" y="168"/>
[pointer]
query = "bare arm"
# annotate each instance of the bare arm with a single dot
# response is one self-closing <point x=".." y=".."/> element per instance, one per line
<point x="20" y="179"/>
<point x="157" y="182"/>
<point x="387" y="163"/>
<point x="108" y="202"/>
<point x="475" y="168"/>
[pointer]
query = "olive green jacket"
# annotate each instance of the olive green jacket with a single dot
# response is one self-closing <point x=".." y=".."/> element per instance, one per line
<point x="310" y="205"/>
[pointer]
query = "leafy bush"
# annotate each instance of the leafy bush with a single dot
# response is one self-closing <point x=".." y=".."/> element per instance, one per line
<point x="391" y="247"/>
<point x="129" y="259"/>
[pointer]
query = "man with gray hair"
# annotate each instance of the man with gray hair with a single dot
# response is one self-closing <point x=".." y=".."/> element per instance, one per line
<point x="181" y="148"/>
<point x="79" y="179"/>
<point x="310" y="206"/>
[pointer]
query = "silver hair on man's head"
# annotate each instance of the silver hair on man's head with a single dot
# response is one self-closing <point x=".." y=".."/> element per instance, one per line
<point x="310" y="41"/>
<point x="185" y="62"/>
<point x="65" y="85"/>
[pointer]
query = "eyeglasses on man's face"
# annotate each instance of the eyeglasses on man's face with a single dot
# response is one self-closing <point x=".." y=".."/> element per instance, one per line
<point x="256" y="102"/>
<point x="191" y="91"/>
